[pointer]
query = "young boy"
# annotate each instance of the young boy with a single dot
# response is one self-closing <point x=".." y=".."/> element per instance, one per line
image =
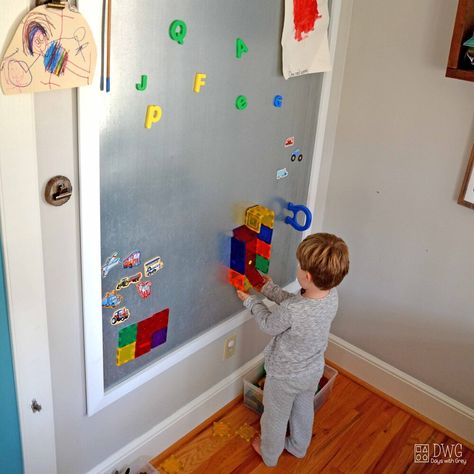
<point x="294" y="358"/>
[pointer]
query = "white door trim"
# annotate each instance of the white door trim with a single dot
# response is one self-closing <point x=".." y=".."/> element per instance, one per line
<point x="23" y="260"/>
<point x="90" y="98"/>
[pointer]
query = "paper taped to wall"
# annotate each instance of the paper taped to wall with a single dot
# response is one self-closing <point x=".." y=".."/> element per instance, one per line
<point x="305" y="38"/>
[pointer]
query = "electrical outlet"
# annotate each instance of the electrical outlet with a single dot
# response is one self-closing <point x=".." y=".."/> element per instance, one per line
<point x="229" y="346"/>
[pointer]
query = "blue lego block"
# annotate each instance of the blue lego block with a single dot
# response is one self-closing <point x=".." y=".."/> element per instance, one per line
<point x="265" y="234"/>
<point x="237" y="255"/>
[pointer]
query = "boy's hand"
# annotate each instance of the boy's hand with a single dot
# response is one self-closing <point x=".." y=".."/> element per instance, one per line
<point x="266" y="278"/>
<point x="242" y="295"/>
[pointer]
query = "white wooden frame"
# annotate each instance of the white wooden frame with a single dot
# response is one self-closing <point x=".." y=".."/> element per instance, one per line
<point x="90" y="99"/>
<point x="23" y="260"/>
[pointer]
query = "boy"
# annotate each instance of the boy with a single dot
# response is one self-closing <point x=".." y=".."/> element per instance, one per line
<point x="294" y="358"/>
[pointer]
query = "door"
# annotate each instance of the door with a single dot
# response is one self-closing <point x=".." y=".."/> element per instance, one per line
<point x="10" y="444"/>
<point x="23" y="264"/>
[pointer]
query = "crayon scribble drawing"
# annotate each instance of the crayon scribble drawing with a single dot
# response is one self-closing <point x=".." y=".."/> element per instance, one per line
<point x="51" y="49"/>
<point x="305" y="15"/>
<point x="304" y="40"/>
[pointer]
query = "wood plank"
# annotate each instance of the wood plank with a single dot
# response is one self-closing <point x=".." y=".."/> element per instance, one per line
<point x="402" y="406"/>
<point x="356" y="431"/>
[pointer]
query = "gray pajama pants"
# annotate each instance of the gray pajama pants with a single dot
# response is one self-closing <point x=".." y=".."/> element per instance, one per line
<point x="284" y="401"/>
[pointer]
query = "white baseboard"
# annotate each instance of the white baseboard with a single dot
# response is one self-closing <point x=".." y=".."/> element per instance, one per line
<point x="173" y="428"/>
<point x="429" y="402"/>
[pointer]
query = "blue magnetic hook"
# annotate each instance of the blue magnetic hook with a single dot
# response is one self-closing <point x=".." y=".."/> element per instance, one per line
<point x="295" y="208"/>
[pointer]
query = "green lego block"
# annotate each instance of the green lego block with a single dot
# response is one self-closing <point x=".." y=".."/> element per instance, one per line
<point x="262" y="264"/>
<point x="127" y="335"/>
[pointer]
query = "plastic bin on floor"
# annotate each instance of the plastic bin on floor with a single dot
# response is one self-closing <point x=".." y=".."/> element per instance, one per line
<point x="253" y="395"/>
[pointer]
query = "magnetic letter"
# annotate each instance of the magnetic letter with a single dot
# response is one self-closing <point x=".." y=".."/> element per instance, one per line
<point x="240" y="48"/>
<point x="153" y="115"/>
<point x="199" y="82"/>
<point x="141" y="86"/>
<point x="241" y="102"/>
<point x="178" y="30"/>
<point x="278" y="101"/>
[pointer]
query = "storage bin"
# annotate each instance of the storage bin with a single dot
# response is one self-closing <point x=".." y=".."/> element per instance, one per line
<point x="253" y="395"/>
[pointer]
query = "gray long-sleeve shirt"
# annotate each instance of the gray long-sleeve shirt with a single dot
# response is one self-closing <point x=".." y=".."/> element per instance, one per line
<point x="300" y="329"/>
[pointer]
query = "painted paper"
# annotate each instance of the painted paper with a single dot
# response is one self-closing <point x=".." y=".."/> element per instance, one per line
<point x="305" y="39"/>
<point x="51" y="49"/>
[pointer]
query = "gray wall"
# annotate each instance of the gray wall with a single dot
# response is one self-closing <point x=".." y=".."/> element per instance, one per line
<point x="82" y="442"/>
<point x="403" y="139"/>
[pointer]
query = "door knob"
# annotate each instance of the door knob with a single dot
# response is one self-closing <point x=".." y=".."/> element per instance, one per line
<point x="58" y="191"/>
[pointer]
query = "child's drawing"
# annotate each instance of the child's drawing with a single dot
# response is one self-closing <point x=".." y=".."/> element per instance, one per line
<point x="51" y="49"/>
<point x="305" y="39"/>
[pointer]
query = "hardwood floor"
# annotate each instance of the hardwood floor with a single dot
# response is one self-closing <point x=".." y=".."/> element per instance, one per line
<point x="356" y="431"/>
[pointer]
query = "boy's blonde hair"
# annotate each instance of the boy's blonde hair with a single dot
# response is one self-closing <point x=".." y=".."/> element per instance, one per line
<point x="325" y="257"/>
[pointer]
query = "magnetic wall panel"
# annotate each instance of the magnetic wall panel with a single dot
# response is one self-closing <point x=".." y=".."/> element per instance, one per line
<point x="177" y="189"/>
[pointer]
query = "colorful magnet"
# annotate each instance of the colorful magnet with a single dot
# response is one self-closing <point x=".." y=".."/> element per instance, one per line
<point x="278" y="101"/>
<point x="153" y="115"/>
<point x="293" y="221"/>
<point x="125" y="282"/>
<point x="199" y="82"/>
<point x="133" y="260"/>
<point x="290" y="141"/>
<point x="241" y="102"/>
<point x="297" y="155"/>
<point x="120" y="316"/>
<point x="144" y="289"/>
<point x="111" y="262"/>
<point x="178" y="31"/>
<point x="153" y="266"/>
<point x="111" y="300"/>
<point x="240" y="48"/>
<point x="283" y="173"/>
<point x="142" y="85"/>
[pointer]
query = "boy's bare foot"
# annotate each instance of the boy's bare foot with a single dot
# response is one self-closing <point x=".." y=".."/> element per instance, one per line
<point x="256" y="444"/>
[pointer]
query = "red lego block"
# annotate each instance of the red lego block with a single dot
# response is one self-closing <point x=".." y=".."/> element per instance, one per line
<point x="264" y="249"/>
<point x="143" y="348"/>
<point x="255" y="278"/>
<point x="250" y="257"/>
<point x="244" y="234"/>
<point x="160" y="320"/>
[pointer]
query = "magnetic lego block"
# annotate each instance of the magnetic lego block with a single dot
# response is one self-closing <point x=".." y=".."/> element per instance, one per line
<point x="237" y="255"/>
<point x="127" y="335"/>
<point x="265" y="234"/>
<point x="143" y="348"/>
<point x="263" y="249"/>
<point x="247" y="284"/>
<point x="159" y="337"/>
<point x="244" y="234"/>
<point x="262" y="264"/>
<point x="160" y="320"/>
<point x="125" y="354"/>
<point x="258" y="215"/>
<point x="249" y="260"/>
<point x="236" y="279"/>
<point x="255" y="278"/>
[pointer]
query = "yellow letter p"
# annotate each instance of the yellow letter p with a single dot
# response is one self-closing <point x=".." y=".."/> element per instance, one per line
<point x="153" y="115"/>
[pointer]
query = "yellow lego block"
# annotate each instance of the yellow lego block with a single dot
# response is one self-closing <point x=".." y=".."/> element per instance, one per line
<point x="257" y="215"/>
<point x="247" y="284"/>
<point x="126" y="353"/>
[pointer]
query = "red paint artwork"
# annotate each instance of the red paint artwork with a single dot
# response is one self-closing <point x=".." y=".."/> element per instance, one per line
<point x="305" y="15"/>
